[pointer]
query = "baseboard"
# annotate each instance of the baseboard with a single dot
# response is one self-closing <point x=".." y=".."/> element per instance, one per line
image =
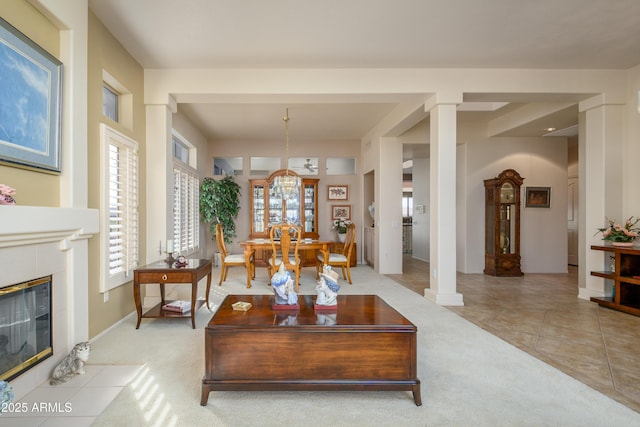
<point x="444" y="299"/>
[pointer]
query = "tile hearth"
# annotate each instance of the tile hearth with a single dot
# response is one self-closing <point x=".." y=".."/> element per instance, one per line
<point x="76" y="403"/>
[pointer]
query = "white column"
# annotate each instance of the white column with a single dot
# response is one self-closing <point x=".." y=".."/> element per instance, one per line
<point x="159" y="189"/>
<point x="158" y="179"/>
<point x="600" y="153"/>
<point x="389" y="207"/>
<point x="442" y="200"/>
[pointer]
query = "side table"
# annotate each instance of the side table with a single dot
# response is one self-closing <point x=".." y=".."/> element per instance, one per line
<point x="162" y="273"/>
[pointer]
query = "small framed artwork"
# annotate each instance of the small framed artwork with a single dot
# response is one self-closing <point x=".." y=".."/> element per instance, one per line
<point x="538" y="197"/>
<point x="337" y="192"/>
<point x="341" y="212"/>
<point x="30" y="113"/>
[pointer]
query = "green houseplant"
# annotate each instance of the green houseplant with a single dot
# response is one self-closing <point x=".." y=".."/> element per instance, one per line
<point x="220" y="203"/>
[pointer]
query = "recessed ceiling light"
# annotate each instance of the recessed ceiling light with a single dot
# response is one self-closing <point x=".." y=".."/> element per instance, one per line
<point x="549" y="129"/>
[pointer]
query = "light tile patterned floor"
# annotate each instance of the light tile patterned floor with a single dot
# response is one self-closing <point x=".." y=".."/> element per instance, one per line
<point x="76" y="403"/>
<point x="542" y="315"/>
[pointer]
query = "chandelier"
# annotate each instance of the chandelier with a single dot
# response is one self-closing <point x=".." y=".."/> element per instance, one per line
<point x="287" y="186"/>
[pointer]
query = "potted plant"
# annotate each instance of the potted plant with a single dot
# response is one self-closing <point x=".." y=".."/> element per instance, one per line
<point x="340" y="225"/>
<point x="618" y="234"/>
<point x="220" y="203"/>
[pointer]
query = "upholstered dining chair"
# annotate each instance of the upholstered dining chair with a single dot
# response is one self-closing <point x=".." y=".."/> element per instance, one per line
<point x="342" y="259"/>
<point x="285" y="241"/>
<point x="231" y="260"/>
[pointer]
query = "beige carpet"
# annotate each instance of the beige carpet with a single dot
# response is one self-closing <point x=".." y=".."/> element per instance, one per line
<point x="469" y="377"/>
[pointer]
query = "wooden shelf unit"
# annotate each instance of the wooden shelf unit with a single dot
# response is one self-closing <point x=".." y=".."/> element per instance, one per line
<point x="626" y="279"/>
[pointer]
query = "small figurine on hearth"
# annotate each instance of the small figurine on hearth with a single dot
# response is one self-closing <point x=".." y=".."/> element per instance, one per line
<point x="327" y="287"/>
<point x="283" y="287"/>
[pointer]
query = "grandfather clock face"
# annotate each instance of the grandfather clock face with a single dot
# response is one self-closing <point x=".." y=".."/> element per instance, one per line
<point x="507" y="193"/>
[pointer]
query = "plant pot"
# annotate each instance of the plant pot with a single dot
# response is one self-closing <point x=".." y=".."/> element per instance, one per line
<point x="342" y="237"/>
<point x="622" y="244"/>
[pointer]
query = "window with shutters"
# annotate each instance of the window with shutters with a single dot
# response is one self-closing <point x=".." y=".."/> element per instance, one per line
<point x="119" y="208"/>
<point x="186" y="193"/>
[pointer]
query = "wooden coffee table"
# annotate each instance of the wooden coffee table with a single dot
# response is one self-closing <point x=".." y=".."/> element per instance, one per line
<point x="362" y="345"/>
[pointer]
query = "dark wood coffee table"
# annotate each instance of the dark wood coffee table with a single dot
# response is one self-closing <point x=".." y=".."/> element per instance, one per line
<point x="362" y="345"/>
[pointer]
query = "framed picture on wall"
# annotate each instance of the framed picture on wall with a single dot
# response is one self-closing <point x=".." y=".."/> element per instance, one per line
<point x="341" y="212"/>
<point x="337" y="192"/>
<point x="538" y="197"/>
<point x="30" y="93"/>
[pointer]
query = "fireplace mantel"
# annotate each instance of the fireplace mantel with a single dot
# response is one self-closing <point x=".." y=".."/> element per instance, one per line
<point x="24" y="225"/>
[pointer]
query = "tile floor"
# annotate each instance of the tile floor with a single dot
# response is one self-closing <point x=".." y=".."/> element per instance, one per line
<point x="542" y="315"/>
<point x="87" y="396"/>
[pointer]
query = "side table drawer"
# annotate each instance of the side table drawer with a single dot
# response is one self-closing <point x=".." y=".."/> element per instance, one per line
<point x="172" y="277"/>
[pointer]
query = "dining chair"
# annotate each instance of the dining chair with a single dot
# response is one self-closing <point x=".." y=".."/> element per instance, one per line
<point x="285" y="242"/>
<point x="343" y="259"/>
<point x="231" y="260"/>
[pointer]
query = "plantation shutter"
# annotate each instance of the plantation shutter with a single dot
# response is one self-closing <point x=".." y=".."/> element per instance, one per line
<point x="121" y="202"/>
<point x="186" y="220"/>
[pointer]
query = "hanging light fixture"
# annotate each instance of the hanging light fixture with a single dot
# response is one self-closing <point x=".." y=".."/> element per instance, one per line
<point x="287" y="186"/>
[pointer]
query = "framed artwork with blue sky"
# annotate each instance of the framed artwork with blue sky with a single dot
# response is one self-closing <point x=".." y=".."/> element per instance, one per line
<point x="30" y="92"/>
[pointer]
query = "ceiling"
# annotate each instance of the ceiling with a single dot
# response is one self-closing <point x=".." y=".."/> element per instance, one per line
<point x="579" y="34"/>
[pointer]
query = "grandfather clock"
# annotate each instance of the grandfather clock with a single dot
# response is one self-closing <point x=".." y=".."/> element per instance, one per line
<point x="502" y="224"/>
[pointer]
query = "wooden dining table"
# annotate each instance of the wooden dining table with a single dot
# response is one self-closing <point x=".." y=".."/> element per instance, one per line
<point x="305" y="245"/>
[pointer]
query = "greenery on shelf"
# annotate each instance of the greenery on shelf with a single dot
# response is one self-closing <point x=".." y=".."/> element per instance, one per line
<point x="220" y="203"/>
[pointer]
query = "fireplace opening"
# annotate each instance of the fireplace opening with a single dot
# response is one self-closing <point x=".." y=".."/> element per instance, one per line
<point x="25" y="326"/>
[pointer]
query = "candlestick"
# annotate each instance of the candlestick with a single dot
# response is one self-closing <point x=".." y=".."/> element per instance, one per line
<point x="170" y="246"/>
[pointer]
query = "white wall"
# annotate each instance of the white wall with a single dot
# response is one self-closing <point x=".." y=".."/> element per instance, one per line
<point x="631" y="175"/>
<point x="465" y="209"/>
<point x="421" y="221"/>
<point x="542" y="162"/>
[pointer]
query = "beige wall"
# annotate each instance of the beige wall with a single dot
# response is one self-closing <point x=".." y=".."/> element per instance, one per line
<point x="105" y="53"/>
<point x="32" y="188"/>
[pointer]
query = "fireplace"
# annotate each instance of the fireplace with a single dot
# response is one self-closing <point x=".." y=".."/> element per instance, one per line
<point x="25" y="326"/>
<point x="36" y="242"/>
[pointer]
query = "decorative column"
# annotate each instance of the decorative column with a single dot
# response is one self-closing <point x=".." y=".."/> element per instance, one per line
<point x="601" y="158"/>
<point x="442" y="199"/>
<point x="388" y="229"/>
<point x="159" y="180"/>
